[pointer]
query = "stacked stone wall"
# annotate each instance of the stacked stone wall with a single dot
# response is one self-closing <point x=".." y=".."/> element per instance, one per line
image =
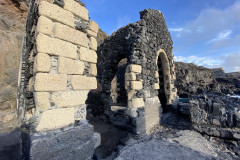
<point x="143" y="43"/>
<point x="58" y="69"/>
<point x="64" y="62"/>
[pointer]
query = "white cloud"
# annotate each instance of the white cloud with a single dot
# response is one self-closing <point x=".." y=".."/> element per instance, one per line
<point x="221" y="36"/>
<point x="200" y="61"/>
<point x="229" y="62"/>
<point x="212" y="23"/>
<point x="214" y="34"/>
<point x="175" y="29"/>
<point x="232" y="63"/>
<point x="200" y="29"/>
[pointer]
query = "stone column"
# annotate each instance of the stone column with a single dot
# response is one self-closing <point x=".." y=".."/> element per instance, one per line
<point x="64" y="71"/>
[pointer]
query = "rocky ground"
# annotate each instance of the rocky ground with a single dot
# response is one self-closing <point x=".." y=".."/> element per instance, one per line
<point x="176" y="139"/>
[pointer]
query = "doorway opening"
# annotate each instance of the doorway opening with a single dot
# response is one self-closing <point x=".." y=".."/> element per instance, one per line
<point x="118" y="91"/>
<point x="161" y="91"/>
<point x="164" y="92"/>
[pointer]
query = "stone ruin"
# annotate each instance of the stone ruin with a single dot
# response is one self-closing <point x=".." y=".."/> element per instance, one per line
<point x="136" y="71"/>
<point x="57" y="80"/>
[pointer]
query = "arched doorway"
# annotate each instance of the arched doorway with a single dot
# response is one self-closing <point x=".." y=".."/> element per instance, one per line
<point x="118" y="91"/>
<point x="164" y="92"/>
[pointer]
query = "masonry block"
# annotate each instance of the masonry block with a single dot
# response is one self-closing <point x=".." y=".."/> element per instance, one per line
<point x="130" y="76"/>
<point x="55" y="119"/>
<point x="50" y="82"/>
<point x="136" y="85"/>
<point x="93" y="69"/>
<point x="91" y="33"/>
<point x="42" y="63"/>
<point x="156" y="86"/>
<point x="56" y="13"/>
<point x="76" y="9"/>
<point x="130" y="94"/>
<point x="88" y="55"/>
<point x="153" y="113"/>
<point x="69" y="66"/>
<point x="83" y="82"/>
<point x="50" y="1"/>
<point x="30" y="84"/>
<point x="135" y="68"/>
<point x="53" y="46"/>
<point x="44" y="25"/>
<point x="93" y="26"/>
<point x="137" y="102"/>
<point x="41" y="101"/>
<point x="93" y="43"/>
<point x="72" y="143"/>
<point x="69" y="34"/>
<point x="69" y="98"/>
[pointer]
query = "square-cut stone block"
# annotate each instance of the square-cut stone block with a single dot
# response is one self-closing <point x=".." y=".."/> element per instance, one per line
<point x="93" y="43"/>
<point x="88" y="55"/>
<point x="138" y="102"/>
<point x="130" y="76"/>
<point x="76" y="9"/>
<point x="44" y="25"/>
<point x="56" y="13"/>
<point x="69" y="66"/>
<point x="83" y="82"/>
<point x="93" y="69"/>
<point x="42" y="101"/>
<point x="42" y="63"/>
<point x="93" y="26"/>
<point x="69" y="34"/>
<point x="135" y="68"/>
<point x="136" y="85"/>
<point x="53" y="46"/>
<point x="30" y="84"/>
<point x="91" y="33"/>
<point x="56" y="119"/>
<point x="69" y="98"/>
<point x="153" y="113"/>
<point x="50" y="82"/>
<point x="156" y="86"/>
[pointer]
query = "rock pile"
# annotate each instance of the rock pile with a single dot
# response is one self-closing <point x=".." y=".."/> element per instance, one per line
<point x="216" y="115"/>
<point x="193" y="80"/>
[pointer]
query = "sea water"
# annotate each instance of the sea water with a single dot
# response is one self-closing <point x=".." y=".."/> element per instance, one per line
<point x="234" y="96"/>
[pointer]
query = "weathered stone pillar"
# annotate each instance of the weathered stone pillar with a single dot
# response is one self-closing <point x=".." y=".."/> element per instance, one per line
<point x="58" y="71"/>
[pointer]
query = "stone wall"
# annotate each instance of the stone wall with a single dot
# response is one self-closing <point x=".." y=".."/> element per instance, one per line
<point x="58" y="69"/>
<point x="144" y="44"/>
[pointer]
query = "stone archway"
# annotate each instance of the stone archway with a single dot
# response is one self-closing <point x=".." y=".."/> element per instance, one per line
<point x="165" y="89"/>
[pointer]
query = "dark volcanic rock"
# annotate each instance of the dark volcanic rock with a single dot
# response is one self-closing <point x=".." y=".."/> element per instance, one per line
<point x="216" y="115"/>
<point x="193" y="80"/>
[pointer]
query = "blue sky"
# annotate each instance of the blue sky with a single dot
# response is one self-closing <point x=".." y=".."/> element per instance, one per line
<point x="204" y="32"/>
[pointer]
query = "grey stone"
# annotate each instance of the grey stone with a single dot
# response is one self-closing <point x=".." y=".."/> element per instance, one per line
<point x="10" y="146"/>
<point x="159" y="149"/>
<point x="70" y="143"/>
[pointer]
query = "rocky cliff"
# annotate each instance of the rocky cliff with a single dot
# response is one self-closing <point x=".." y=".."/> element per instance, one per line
<point x="12" y="22"/>
<point x="193" y="80"/>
